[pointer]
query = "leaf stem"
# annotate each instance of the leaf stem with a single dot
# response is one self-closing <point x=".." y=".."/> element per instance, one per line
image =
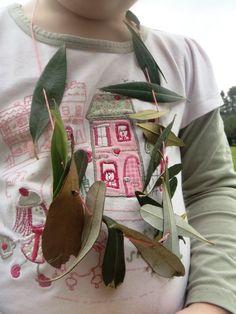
<point x="153" y="93"/>
<point x="48" y="108"/>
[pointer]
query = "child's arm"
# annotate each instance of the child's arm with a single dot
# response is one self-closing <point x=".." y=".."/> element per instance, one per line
<point x="209" y="183"/>
<point x="202" y="308"/>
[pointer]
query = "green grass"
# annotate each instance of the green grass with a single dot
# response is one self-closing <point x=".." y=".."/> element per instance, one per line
<point x="233" y="150"/>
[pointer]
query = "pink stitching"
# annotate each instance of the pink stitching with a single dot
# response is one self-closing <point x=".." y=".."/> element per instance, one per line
<point x="123" y="133"/>
<point x="16" y="271"/>
<point x="132" y="177"/>
<point x="23" y="223"/>
<point x="110" y="174"/>
<point x="38" y="232"/>
<point x="97" y="137"/>
<point x="95" y="132"/>
<point x="108" y="135"/>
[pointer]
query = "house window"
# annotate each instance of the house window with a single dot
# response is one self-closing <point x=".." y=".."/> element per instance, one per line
<point x="109" y="174"/>
<point x="102" y="135"/>
<point x="123" y="133"/>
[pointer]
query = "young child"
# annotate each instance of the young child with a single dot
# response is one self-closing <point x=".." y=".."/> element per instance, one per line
<point x="100" y="53"/>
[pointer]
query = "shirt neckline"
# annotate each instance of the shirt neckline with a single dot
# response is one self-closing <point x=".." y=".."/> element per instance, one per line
<point x="75" y="42"/>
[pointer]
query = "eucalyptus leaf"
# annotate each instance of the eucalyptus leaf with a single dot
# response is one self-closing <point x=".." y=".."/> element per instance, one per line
<point x="113" y="266"/>
<point x="154" y="216"/>
<point x="172" y="242"/>
<point x="52" y="80"/>
<point x="156" y="156"/>
<point x="62" y="234"/>
<point x="161" y="260"/>
<point x="81" y="161"/>
<point x="153" y="130"/>
<point x="144" y="91"/>
<point x="62" y="179"/>
<point x="145" y="59"/>
<point x="95" y="202"/>
<point x="132" y="17"/>
<point x="174" y="170"/>
<point x="144" y="199"/>
<point x="147" y="114"/>
<point x="173" y="183"/>
<point x="59" y="151"/>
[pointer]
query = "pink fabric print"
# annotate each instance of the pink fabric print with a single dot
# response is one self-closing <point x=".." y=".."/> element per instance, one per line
<point x="123" y="132"/>
<point x="117" y="157"/>
<point x="116" y="154"/>
<point x="109" y="174"/>
<point x="132" y="176"/>
<point x="14" y="129"/>
<point x="6" y="247"/>
<point x="102" y="135"/>
<point x="30" y="219"/>
<point x="16" y="271"/>
<point x="72" y="109"/>
<point x="14" y="124"/>
<point x="44" y="281"/>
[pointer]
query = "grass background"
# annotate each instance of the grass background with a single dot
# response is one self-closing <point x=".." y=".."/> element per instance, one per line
<point x="233" y="150"/>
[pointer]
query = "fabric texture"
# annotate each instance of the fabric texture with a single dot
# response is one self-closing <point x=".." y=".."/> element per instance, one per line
<point x="117" y="154"/>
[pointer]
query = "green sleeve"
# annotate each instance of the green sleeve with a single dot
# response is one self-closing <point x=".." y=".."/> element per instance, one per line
<point x="209" y="187"/>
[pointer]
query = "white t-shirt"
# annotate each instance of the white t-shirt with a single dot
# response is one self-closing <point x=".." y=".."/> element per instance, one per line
<point x="118" y="156"/>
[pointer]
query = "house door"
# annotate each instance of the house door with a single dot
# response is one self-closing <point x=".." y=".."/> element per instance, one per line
<point x="132" y="176"/>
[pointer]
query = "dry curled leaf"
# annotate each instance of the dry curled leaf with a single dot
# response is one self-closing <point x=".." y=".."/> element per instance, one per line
<point x="93" y="219"/>
<point x="65" y="221"/>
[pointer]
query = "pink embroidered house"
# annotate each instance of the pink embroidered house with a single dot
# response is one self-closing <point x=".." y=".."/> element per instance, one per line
<point x="14" y="130"/>
<point x="14" y="124"/>
<point x="72" y="106"/>
<point x="115" y="147"/>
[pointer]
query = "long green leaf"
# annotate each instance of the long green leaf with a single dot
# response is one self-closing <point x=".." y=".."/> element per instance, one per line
<point x="145" y="59"/>
<point x="172" y="172"/>
<point x="156" y="156"/>
<point x="143" y="199"/>
<point x="132" y="17"/>
<point x="143" y="91"/>
<point x="59" y="151"/>
<point x="172" y="242"/>
<point x="161" y="260"/>
<point x="61" y="179"/>
<point x="52" y="80"/>
<point x="113" y="266"/>
<point x="152" y="132"/>
<point x="173" y="183"/>
<point x="154" y="216"/>
<point x="81" y="161"/>
<point x="95" y="203"/>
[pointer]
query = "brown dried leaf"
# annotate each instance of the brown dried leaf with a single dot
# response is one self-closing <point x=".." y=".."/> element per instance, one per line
<point x="93" y="219"/>
<point x="65" y="221"/>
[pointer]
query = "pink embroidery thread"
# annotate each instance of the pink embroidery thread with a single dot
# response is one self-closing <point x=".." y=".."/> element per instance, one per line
<point x="132" y="181"/>
<point x="123" y="133"/>
<point x="16" y="271"/>
<point x="109" y="174"/>
<point x="108" y="134"/>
